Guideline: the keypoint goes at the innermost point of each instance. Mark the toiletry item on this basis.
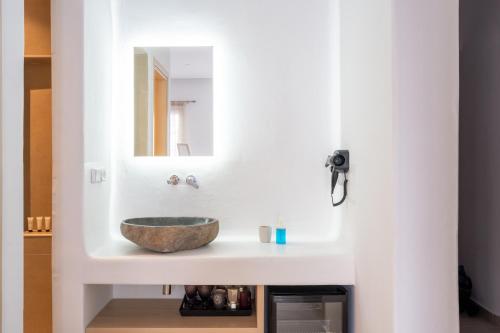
(190, 291)
(232, 298)
(39, 223)
(281, 236)
(265, 233)
(219, 298)
(280, 232)
(30, 224)
(205, 292)
(191, 294)
(48, 223)
(245, 299)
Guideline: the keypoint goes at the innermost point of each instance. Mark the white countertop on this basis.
(223, 262)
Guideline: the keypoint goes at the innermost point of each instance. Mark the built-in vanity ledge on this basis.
(224, 262)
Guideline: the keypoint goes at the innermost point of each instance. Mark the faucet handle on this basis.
(191, 180)
(173, 180)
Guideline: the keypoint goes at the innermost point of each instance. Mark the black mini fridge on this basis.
(306, 309)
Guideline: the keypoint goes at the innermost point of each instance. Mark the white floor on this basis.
(477, 324)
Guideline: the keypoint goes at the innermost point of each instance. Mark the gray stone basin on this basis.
(170, 234)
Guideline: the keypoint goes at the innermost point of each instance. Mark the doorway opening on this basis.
(479, 179)
(161, 113)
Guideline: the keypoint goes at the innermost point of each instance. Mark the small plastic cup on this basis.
(265, 233)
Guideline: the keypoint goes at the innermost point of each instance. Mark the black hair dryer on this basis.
(338, 163)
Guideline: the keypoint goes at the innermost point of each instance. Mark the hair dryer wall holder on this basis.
(338, 163)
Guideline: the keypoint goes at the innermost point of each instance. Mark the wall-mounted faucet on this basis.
(173, 180)
(191, 180)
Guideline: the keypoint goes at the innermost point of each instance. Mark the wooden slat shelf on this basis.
(162, 316)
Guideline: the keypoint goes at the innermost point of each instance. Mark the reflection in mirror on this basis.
(173, 101)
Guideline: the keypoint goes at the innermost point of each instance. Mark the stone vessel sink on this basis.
(170, 234)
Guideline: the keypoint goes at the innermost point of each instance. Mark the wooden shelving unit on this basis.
(33, 59)
(37, 234)
(162, 316)
(37, 165)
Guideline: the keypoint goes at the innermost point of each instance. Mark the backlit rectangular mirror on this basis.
(173, 101)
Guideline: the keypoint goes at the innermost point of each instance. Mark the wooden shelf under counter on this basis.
(162, 316)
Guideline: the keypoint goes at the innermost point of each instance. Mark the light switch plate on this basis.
(97, 176)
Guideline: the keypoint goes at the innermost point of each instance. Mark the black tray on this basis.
(198, 308)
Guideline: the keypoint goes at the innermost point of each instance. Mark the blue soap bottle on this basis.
(280, 232)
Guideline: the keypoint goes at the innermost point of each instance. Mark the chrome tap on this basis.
(173, 180)
(191, 180)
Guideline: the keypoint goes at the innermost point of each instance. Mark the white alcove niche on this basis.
(276, 118)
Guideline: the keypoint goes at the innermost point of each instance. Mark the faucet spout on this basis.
(191, 180)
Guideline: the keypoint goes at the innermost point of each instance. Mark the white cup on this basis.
(265, 233)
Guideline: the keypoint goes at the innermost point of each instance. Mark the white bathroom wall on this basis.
(276, 116)
(76, 143)
(198, 117)
(399, 118)
(253, 174)
(426, 165)
(367, 130)
(98, 70)
(68, 161)
(479, 154)
(11, 159)
(95, 297)
(1, 175)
